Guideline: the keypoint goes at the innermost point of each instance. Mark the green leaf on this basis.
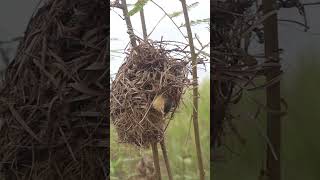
(178, 13)
(175, 14)
(137, 7)
(196, 22)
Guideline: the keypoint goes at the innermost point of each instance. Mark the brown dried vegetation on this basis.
(149, 70)
(53, 98)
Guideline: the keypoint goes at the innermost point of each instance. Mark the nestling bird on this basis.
(162, 104)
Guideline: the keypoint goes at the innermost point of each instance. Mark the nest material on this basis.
(148, 71)
(237, 25)
(53, 98)
(233, 66)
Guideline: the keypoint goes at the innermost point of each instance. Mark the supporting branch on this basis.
(311, 3)
(166, 159)
(156, 160)
(195, 90)
(128, 22)
(143, 24)
(273, 91)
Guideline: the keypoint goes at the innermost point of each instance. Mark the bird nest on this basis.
(53, 98)
(148, 71)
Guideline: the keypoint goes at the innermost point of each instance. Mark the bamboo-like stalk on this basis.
(154, 145)
(162, 143)
(128, 22)
(156, 160)
(273, 92)
(195, 90)
(143, 24)
(166, 159)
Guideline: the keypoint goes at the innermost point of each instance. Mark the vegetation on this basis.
(181, 151)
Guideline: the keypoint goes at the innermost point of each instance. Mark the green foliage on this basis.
(179, 140)
(137, 7)
(197, 22)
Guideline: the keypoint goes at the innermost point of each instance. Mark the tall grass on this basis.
(179, 140)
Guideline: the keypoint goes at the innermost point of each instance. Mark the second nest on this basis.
(148, 72)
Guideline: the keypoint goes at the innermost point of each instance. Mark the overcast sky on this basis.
(165, 29)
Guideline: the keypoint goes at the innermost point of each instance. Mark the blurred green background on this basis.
(179, 140)
(300, 128)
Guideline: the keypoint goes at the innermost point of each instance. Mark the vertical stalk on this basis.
(162, 143)
(143, 24)
(195, 90)
(156, 160)
(166, 159)
(128, 22)
(163, 147)
(273, 92)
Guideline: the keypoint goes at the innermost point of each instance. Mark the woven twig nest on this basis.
(53, 97)
(147, 72)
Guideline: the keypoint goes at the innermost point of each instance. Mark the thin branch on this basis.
(166, 159)
(156, 160)
(195, 90)
(273, 98)
(128, 22)
(143, 24)
(170, 19)
(156, 25)
(295, 22)
(311, 4)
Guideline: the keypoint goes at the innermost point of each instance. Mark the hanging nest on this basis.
(236, 67)
(147, 72)
(54, 95)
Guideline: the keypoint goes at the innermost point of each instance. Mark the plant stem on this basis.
(143, 24)
(128, 22)
(169, 18)
(156, 160)
(166, 159)
(273, 91)
(195, 90)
